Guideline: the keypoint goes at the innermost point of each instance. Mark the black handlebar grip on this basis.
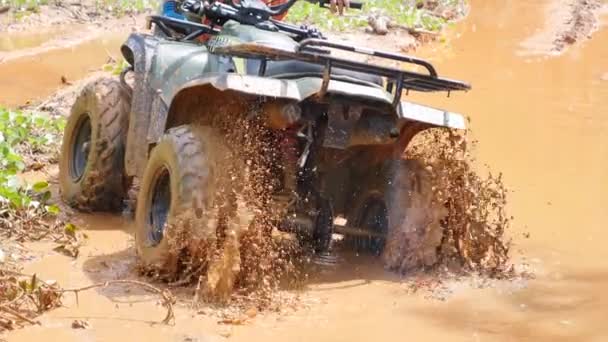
(355, 4)
(351, 4)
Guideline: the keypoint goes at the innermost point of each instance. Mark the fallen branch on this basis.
(413, 31)
(18, 315)
(166, 295)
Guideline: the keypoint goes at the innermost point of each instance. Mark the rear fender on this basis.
(415, 118)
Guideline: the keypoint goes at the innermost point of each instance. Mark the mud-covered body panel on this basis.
(164, 69)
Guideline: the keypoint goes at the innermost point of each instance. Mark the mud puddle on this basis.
(36, 63)
(34, 77)
(17, 41)
(540, 121)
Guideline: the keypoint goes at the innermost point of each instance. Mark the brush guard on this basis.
(314, 51)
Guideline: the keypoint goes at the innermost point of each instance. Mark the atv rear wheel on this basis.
(400, 206)
(373, 218)
(414, 219)
(91, 165)
(324, 227)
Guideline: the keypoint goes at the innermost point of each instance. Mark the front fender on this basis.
(139, 51)
(298, 89)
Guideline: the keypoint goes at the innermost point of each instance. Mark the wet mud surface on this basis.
(539, 121)
(35, 65)
(566, 23)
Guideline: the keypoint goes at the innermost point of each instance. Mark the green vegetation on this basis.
(25, 141)
(22, 5)
(122, 7)
(411, 14)
(114, 67)
(311, 14)
(23, 8)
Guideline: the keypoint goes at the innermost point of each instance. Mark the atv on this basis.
(343, 120)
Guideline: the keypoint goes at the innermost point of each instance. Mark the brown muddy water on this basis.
(26, 76)
(16, 41)
(543, 122)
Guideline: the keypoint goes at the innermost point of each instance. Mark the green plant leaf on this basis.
(40, 186)
(70, 229)
(52, 209)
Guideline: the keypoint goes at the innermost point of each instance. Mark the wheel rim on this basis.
(79, 153)
(374, 219)
(160, 204)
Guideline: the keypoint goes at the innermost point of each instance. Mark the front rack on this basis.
(313, 51)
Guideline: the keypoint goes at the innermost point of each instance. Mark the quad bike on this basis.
(345, 121)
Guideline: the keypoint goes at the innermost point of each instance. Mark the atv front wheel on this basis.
(91, 165)
(176, 187)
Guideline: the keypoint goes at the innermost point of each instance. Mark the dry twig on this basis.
(168, 299)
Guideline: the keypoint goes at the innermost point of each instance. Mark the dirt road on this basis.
(541, 121)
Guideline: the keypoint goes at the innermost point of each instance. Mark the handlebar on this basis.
(256, 9)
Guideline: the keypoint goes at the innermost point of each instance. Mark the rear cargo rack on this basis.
(314, 51)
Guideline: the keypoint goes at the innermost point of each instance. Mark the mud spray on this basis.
(454, 218)
(469, 210)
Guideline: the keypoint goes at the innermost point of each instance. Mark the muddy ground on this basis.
(539, 121)
(566, 22)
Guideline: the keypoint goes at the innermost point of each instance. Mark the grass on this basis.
(23, 8)
(117, 8)
(22, 5)
(402, 12)
(122, 7)
(408, 13)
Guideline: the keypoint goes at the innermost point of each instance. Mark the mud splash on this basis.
(475, 220)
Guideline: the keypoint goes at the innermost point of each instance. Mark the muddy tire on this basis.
(414, 232)
(173, 185)
(184, 195)
(400, 206)
(91, 165)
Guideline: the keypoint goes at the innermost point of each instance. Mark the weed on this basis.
(115, 68)
(411, 14)
(24, 139)
(121, 7)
